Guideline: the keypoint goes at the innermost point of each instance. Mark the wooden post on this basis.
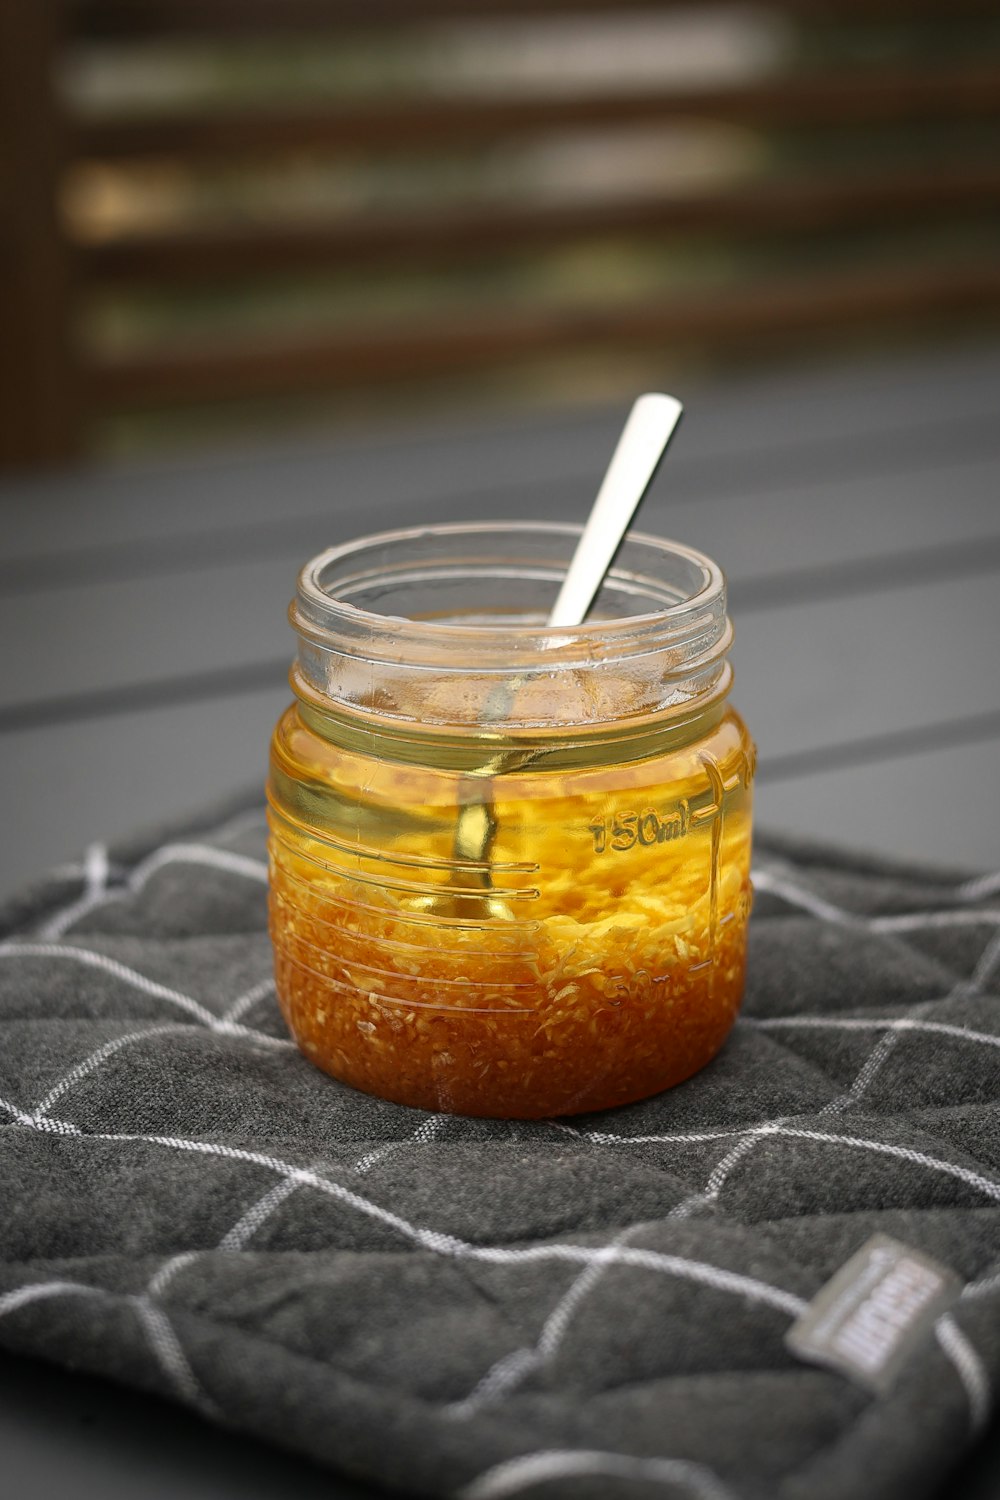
(40, 415)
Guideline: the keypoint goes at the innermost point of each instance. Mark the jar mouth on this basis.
(382, 619)
(330, 584)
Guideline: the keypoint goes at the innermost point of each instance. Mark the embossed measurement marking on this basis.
(651, 826)
(624, 830)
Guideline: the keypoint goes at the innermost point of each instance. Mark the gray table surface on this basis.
(855, 508)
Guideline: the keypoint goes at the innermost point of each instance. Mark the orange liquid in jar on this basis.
(600, 960)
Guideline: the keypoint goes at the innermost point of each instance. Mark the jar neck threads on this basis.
(411, 633)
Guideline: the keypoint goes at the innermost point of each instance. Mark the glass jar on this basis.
(510, 864)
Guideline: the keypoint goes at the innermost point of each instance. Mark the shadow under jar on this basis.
(589, 948)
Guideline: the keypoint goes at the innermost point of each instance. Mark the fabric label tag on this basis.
(869, 1317)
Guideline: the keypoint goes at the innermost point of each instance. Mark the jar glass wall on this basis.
(509, 864)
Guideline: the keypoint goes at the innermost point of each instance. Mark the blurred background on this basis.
(231, 213)
(276, 272)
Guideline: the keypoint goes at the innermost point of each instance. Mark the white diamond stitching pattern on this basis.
(510, 1370)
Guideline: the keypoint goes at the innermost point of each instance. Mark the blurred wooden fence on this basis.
(57, 386)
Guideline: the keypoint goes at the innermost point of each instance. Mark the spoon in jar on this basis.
(651, 424)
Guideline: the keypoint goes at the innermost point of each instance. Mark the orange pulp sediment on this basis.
(602, 961)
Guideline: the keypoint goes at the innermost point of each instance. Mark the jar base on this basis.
(453, 1098)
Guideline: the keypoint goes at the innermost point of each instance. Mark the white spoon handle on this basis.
(650, 426)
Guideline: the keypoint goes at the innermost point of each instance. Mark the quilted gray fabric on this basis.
(594, 1308)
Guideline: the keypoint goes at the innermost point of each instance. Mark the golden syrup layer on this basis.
(599, 958)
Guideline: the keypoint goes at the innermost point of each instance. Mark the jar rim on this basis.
(319, 607)
(477, 650)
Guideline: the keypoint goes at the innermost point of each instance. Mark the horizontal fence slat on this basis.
(907, 421)
(903, 638)
(896, 804)
(796, 205)
(966, 534)
(843, 97)
(218, 611)
(107, 779)
(143, 18)
(874, 659)
(769, 313)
